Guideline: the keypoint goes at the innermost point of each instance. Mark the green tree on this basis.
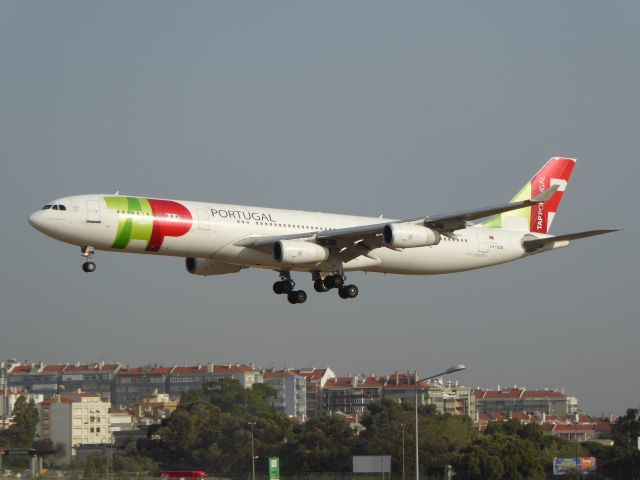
(324, 444)
(95, 465)
(22, 432)
(500, 456)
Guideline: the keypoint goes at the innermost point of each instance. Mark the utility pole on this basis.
(253, 453)
(4, 377)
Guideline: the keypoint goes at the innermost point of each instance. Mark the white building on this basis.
(73, 419)
(291, 392)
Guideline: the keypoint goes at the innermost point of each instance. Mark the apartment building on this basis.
(350, 395)
(186, 378)
(291, 392)
(96, 378)
(549, 402)
(73, 419)
(39, 379)
(316, 379)
(131, 384)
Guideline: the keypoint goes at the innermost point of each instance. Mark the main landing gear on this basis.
(336, 280)
(286, 285)
(87, 252)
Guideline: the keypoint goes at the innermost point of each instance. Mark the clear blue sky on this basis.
(363, 107)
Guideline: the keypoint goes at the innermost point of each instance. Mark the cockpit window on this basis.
(61, 207)
(46, 207)
(55, 207)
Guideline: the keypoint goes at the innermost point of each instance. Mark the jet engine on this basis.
(204, 266)
(403, 235)
(295, 252)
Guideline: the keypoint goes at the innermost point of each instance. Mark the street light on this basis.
(454, 369)
(253, 453)
(403, 425)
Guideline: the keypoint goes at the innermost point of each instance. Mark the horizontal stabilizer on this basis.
(532, 245)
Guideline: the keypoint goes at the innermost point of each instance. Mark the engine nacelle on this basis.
(204, 266)
(403, 235)
(296, 252)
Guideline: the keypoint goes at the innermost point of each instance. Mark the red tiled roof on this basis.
(543, 394)
(53, 368)
(21, 369)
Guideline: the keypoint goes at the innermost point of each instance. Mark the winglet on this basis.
(546, 195)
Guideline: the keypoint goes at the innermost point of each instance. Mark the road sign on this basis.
(274, 468)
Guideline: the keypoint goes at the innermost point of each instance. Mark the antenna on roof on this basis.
(117, 192)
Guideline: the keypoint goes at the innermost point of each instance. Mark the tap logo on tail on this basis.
(149, 220)
(537, 218)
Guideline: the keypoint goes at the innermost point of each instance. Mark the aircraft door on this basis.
(93, 211)
(203, 219)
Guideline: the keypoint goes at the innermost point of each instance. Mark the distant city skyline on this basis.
(362, 108)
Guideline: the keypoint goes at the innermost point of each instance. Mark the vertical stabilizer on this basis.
(537, 218)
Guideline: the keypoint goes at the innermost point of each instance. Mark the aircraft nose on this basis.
(36, 220)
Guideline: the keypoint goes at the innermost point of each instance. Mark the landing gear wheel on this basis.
(351, 290)
(338, 281)
(319, 286)
(297, 296)
(328, 282)
(348, 291)
(88, 267)
(283, 286)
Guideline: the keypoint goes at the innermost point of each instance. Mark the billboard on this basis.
(372, 464)
(562, 466)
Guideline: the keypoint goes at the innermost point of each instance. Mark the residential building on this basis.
(247, 375)
(39, 379)
(291, 392)
(153, 408)
(550, 402)
(316, 379)
(96, 378)
(186, 378)
(73, 419)
(131, 384)
(350, 395)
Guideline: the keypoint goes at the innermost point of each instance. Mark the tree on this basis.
(500, 456)
(323, 444)
(22, 432)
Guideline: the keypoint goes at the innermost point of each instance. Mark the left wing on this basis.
(360, 237)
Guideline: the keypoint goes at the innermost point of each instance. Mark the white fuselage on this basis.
(213, 230)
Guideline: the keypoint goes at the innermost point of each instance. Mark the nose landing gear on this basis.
(87, 252)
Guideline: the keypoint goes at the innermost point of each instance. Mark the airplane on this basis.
(218, 239)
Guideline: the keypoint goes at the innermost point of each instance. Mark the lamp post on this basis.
(454, 369)
(402, 425)
(253, 453)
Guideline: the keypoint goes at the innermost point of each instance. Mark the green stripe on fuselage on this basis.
(135, 219)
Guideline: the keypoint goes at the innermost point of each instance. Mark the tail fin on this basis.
(537, 218)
